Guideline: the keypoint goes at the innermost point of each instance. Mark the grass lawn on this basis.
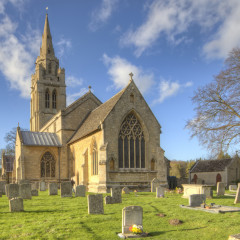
(53, 217)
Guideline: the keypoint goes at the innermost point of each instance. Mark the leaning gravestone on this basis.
(34, 192)
(25, 191)
(16, 205)
(66, 189)
(237, 198)
(130, 215)
(53, 189)
(232, 187)
(195, 200)
(80, 191)
(2, 187)
(220, 189)
(13, 190)
(154, 183)
(125, 190)
(160, 192)
(116, 196)
(42, 186)
(95, 204)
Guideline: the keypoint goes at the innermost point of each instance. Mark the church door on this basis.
(195, 178)
(218, 178)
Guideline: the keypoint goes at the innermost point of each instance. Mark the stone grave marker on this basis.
(125, 190)
(35, 186)
(0, 194)
(154, 183)
(195, 200)
(232, 187)
(53, 189)
(23, 181)
(13, 190)
(66, 189)
(34, 192)
(160, 191)
(25, 191)
(116, 196)
(237, 198)
(80, 191)
(42, 186)
(7, 189)
(95, 204)
(16, 205)
(220, 189)
(2, 187)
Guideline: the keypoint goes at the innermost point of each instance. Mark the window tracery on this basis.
(54, 99)
(47, 165)
(47, 98)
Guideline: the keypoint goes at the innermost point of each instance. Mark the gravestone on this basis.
(13, 190)
(34, 192)
(35, 185)
(195, 200)
(160, 192)
(154, 184)
(220, 189)
(131, 215)
(53, 189)
(0, 194)
(125, 190)
(66, 189)
(2, 187)
(23, 181)
(237, 198)
(42, 186)
(7, 189)
(116, 196)
(16, 205)
(95, 204)
(232, 187)
(80, 191)
(25, 191)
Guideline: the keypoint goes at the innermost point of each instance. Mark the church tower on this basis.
(48, 89)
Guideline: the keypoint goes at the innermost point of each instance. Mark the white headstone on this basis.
(220, 189)
(160, 191)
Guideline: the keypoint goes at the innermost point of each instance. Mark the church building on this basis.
(100, 145)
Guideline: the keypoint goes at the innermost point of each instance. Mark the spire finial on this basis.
(89, 87)
(46, 10)
(131, 75)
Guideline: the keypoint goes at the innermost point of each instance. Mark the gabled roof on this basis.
(96, 117)
(40, 139)
(210, 165)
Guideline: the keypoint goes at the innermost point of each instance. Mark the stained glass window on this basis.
(47, 165)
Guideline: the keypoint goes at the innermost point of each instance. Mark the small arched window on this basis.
(195, 178)
(218, 178)
(47, 165)
(47, 98)
(54, 99)
(152, 165)
(94, 159)
(49, 68)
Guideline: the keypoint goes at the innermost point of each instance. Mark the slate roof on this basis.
(210, 165)
(40, 139)
(97, 116)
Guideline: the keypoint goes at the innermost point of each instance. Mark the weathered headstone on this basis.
(220, 189)
(95, 204)
(53, 189)
(125, 190)
(195, 200)
(34, 192)
(232, 187)
(23, 181)
(0, 194)
(234, 237)
(80, 191)
(13, 190)
(35, 186)
(116, 196)
(66, 189)
(160, 191)
(16, 205)
(154, 184)
(237, 198)
(25, 191)
(42, 186)
(2, 187)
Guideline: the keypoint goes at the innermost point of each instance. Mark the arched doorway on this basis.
(195, 178)
(218, 178)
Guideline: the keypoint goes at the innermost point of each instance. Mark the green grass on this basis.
(53, 217)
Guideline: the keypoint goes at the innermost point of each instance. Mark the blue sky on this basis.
(172, 47)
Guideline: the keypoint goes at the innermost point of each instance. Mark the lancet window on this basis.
(47, 165)
(131, 144)
(47, 98)
(54, 99)
(94, 159)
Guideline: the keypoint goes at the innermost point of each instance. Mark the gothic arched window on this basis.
(47, 165)
(47, 98)
(54, 99)
(131, 144)
(94, 159)
(49, 68)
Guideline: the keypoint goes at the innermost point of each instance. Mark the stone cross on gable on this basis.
(131, 75)
(89, 87)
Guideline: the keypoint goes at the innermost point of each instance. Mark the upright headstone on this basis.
(95, 204)
(160, 191)
(16, 205)
(232, 187)
(66, 189)
(237, 198)
(116, 196)
(195, 200)
(53, 189)
(220, 189)
(35, 186)
(13, 190)
(23, 181)
(125, 190)
(34, 192)
(80, 191)
(2, 187)
(25, 191)
(42, 186)
(154, 184)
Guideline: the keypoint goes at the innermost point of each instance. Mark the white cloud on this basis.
(62, 45)
(72, 81)
(119, 69)
(102, 14)
(173, 18)
(74, 96)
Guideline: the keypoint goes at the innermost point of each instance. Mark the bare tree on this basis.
(217, 120)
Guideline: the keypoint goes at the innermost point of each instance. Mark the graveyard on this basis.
(54, 217)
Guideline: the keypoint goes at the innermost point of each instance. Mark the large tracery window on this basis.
(131, 144)
(54, 99)
(47, 165)
(47, 96)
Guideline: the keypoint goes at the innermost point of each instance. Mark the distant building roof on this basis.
(40, 139)
(210, 165)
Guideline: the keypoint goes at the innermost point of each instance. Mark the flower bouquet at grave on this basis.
(136, 229)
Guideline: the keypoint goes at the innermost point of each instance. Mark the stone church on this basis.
(100, 145)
